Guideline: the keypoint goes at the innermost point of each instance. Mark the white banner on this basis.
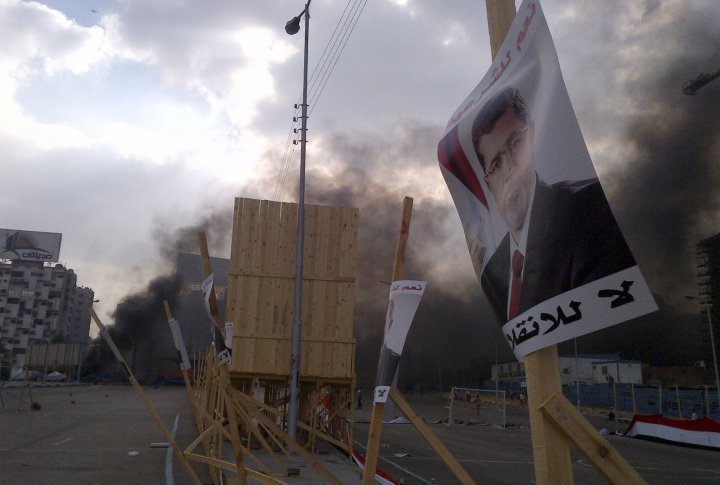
(405, 298)
(536, 220)
(30, 245)
(207, 286)
(600, 304)
(179, 343)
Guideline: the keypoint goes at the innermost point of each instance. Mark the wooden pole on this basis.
(500, 15)
(373, 444)
(138, 388)
(551, 449)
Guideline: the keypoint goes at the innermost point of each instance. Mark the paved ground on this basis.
(493, 455)
(89, 434)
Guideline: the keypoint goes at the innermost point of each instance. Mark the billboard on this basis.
(543, 240)
(30, 245)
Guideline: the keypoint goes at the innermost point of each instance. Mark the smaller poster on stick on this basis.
(405, 296)
(179, 343)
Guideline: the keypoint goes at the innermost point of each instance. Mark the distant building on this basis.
(708, 267)
(585, 369)
(40, 302)
(191, 313)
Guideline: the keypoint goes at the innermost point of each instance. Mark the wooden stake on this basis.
(375, 433)
(430, 437)
(573, 425)
(138, 388)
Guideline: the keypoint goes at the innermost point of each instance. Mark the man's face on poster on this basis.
(507, 154)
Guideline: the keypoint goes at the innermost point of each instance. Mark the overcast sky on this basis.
(124, 121)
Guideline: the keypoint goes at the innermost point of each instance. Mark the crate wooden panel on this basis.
(261, 288)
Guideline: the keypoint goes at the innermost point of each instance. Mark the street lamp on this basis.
(293, 27)
(712, 343)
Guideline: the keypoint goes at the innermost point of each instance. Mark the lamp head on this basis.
(293, 26)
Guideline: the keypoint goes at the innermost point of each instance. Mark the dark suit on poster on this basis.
(573, 239)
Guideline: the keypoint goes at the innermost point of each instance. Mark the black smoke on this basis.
(140, 332)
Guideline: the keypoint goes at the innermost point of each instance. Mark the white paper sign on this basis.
(381, 394)
(224, 357)
(405, 296)
(179, 342)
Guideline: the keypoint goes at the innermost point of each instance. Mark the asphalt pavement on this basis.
(103, 434)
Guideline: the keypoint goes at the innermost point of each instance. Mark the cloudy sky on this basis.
(124, 122)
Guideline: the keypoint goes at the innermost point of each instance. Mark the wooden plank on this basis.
(568, 420)
(430, 437)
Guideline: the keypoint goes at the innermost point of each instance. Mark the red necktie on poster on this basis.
(515, 284)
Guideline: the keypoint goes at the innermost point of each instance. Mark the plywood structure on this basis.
(261, 290)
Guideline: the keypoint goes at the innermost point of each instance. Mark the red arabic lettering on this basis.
(525, 27)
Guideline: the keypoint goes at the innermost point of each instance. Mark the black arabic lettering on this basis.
(526, 25)
(524, 334)
(561, 317)
(623, 296)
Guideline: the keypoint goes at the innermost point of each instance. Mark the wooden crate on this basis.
(261, 289)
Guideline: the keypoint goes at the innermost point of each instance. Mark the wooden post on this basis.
(151, 409)
(500, 14)
(373, 444)
(679, 404)
(551, 450)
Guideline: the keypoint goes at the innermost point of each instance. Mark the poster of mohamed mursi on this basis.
(543, 241)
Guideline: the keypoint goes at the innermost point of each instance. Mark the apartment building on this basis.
(40, 302)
